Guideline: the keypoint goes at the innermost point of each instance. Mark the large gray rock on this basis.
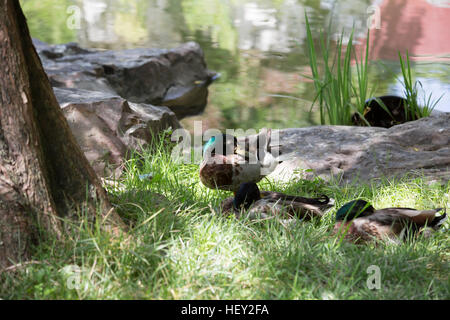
(362, 154)
(107, 127)
(176, 78)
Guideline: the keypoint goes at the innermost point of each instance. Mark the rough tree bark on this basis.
(43, 173)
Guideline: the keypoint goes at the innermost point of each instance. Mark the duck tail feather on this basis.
(438, 221)
(322, 200)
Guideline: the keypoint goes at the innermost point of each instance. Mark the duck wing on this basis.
(373, 227)
(285, 209)
(257, 144)
(263, 149)
(323, 200)
(419, 217)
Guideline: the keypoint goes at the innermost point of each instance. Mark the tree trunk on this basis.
(44, 176)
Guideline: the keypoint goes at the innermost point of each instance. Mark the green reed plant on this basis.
(335, 88)
(413, 110)
(363, 91)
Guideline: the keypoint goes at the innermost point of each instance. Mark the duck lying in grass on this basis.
(360, 222)
(225, 166)
(265, 204)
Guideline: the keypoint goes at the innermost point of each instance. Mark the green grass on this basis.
(182, 249)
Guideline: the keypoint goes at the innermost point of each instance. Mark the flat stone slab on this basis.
(363, 154)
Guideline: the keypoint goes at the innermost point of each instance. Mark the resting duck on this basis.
(375, 113)
(362, 222)
(265, 204)
(225, 166)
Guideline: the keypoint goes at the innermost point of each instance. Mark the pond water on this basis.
(259, 47)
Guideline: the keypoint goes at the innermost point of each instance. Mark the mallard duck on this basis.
(265, 204)
(225, 166)
(362, 222)
(375, 113)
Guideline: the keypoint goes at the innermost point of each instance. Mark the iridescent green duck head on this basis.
(354, 209)
(247, 194)
(223, 144)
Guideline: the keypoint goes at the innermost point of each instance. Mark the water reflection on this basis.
(418, 26)
(259, 46)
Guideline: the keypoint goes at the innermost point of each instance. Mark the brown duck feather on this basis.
(280, 204)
